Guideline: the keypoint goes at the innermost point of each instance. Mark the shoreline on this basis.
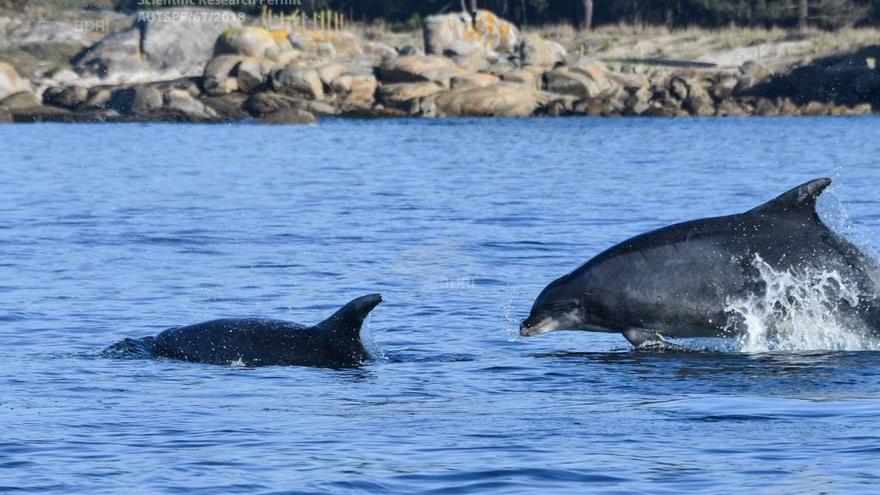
(181, 71)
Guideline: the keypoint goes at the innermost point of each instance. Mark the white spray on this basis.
(799, 311)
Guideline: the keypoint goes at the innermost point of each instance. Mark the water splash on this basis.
(511, 322)
(838, 219)
(370, 345)
(799, 311)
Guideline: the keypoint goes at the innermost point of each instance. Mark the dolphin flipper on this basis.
(648, 340)
(640, 337)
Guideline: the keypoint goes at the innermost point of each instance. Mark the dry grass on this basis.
(727, 47)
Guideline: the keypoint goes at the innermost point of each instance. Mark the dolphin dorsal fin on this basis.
(800, 200)
(350, 317)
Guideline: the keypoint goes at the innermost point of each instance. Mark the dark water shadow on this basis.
(714, 371)
(410, 357)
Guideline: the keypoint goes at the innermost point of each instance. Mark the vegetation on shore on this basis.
(171, 65)
(406, 14)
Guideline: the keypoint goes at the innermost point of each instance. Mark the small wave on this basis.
(129, 348)
(800, 311)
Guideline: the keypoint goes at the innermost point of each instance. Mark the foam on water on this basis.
(799, 311)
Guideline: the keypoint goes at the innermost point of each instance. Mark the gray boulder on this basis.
(301, 81)
(161, 43)
(182, 101)
(136, 100)
(456, 33)
(252, 74)
(10, 81)
(219, 77)
(19, 101)
(65, 96)
(538, 52)
(575, 83)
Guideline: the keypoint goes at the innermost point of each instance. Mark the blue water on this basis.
(108, 231)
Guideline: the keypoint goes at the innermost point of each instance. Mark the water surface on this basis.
(108, 231)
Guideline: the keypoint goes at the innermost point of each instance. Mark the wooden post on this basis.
(587, 20)
(803, 14)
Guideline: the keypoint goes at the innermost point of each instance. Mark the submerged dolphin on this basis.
(335, 342)
(678, 281)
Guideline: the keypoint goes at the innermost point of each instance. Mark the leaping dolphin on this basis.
(678, 281)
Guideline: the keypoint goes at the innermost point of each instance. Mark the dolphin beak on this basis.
(529, 328)
(541, 324)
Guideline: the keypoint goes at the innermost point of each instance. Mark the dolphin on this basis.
(335, 342)
(679, 281)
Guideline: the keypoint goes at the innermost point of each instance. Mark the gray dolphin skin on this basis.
(335, 342)
(677, 281)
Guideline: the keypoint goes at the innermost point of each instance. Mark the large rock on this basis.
(297, 80)
(698, 101)
(629, 82)
(65, 96)
(637, 102)
(501, 99)
(528, 76)
(454, 34)
(97, 99)
(538, 52)
(678, 88)
(19, 101)
(219, 77)
(183, 41)
(251, 74)
(477, 80)
(330, 71)
(252, 41)
(595, 70)
(139, 100)
(577, 82)
(192, 109)
(268, 102)
(472, 62)
(161, 43)
(227, 107)
(418, 68)
(356, 90)
(724, 87)
(117, 56)
(392, 94)
(10, 81)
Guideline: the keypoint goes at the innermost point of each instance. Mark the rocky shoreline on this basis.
(175, 69)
